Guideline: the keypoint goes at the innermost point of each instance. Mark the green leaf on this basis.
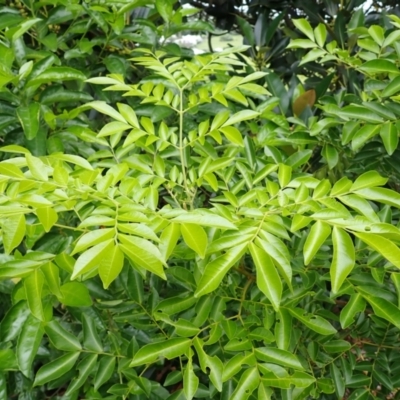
(143, 253)
(314, 322)
(169, 239)
(28, 344)
(55, 369)
(33, 285)
(279, 357)
(304, 27)
(320, 34)
(368, 179)
(353, 307)
(233, 135)
(56, 74)
(297, 379)
(165, 9)
(91, 339)
(8, 361)
(104, 371)
(111, 265)
(190, 380)
(379, 66)
(248, 382)
(93, 238)
(331, 155)
(75, 294)
(319, 232)
(363, 135)
(204, 219)
(85, 368)
(382, 307)
(195, 237)
(240, 116)
(392, 88)
(81, 162)
(283, 329)
(104, 108)
(91, 258)
(268, 280)
(390, 137)
(170, 348)
(47, 217)
(344, 258)
(13, 231)
(10, 170)
(382, 245)
(36, 167)
(60, 338)
(216, 270)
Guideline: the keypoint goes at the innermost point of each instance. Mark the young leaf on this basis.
(75, 294)
(111, 265)
(268, 280)
(47, 217)
(195, 237)
(190, 380)
(343, 258)
(382, 245)
(13, 231)
(319, 232)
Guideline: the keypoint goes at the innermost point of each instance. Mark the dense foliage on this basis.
(177, 226)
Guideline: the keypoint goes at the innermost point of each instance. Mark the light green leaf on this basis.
(379, 66)
(240, 116)
(37, 167)
(314, 322)
(113, 128)
(382, 245)
(319, 232)
(143, 253)
(111, 265)
(75, 294)
(81, 162)
(368, 179)
(382, 308)
(283, 329)
(170, 348)
(354, 306)
(279, 357)
(298, 379)
(320, 34)
(13, 232)
(47, 217)
(10, 170)
(195, 237)
(204, 219)
(344, 258)
(248, 382)
(55, 369)
(216, 270)
(91, 258)
(304, 27)
(268, 280)
(390, 137)
(169, 239)
(93, 238)
(233, 135)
